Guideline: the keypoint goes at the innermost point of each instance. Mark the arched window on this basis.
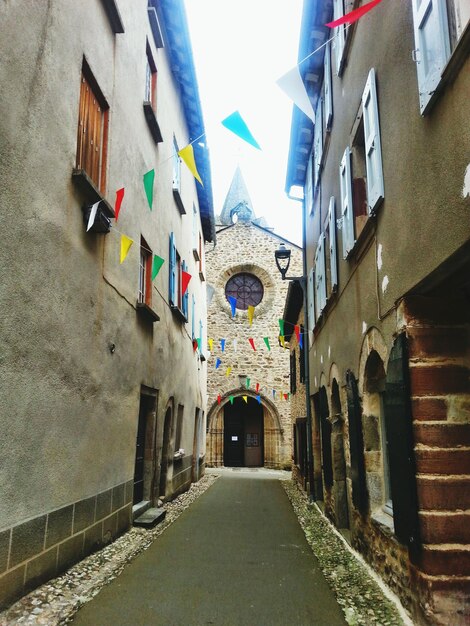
(246, 288)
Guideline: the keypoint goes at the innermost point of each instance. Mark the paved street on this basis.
(237, 556)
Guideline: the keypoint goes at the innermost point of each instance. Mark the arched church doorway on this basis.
(243, 433)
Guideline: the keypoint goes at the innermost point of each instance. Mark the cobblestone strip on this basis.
(363, 601)
(56, 602)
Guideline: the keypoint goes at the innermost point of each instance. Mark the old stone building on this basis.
(102, 394)
(385, 173)
(248, 418)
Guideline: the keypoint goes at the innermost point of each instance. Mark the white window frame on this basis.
(176, 167)
(311, 300)
(430, 22)
(327, 88)
(320, 276)
(340, 37)
(373, 147)
(332, 244)
(308, 191)
(347, 212)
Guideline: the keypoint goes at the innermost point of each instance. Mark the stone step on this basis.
(140, 508)
(150, 518)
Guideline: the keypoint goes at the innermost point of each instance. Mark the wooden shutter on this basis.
(332, 251)
(173, 270)
(185, 298)
(399, 429)
(432, 46)
(325, 426)
(373, 148)
(328, 88)
(356, 445)
(318, 143)
(347, 224)
(339, 40)
(320, 278)
(311, 300)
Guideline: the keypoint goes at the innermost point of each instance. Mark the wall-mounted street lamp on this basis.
(282, 257)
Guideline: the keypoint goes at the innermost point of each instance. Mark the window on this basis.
(179, 428)
(311, 299)
(372, 144)
(246, 288)
(201, 258)
(318, 144)
(176, 167)
(195, 233)
(438, 26)
(302, 356)
(178, 302)
(150, 79)
(327, 88)
(293, 372)
(92, 136)
(346, 220)
(320, 278)
(308, 191)
(145, 274)
(339, 32)
(330, 250)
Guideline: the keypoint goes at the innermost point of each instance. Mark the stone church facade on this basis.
(248, 420)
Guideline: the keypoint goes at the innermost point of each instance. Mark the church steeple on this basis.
(237, 202)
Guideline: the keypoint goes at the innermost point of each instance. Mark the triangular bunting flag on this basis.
(301, 341)
(126, 243)
(252, 343)
(195, 346)
(281, 327)
(148, 186)
(227, 371)
(118, 202)
(251, 312)
(285, 396)
(297, 332)
(92, 216)
(281, 339)
(222, 344)
(353, 16)
(187, 154)
(236, 124)
(247, 383)
(293, 86)
(234, 345)
(219, 399)
(259, 399)
(274, 393)
(246, 399)
(156, 265)
(257, 387)
(266, 341)
(233, 304)
(185, 278)
(198, 342)
(231, 399)
(218, 363)
(211, 344)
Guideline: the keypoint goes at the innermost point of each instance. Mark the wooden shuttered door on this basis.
(92, 135)
(399, 429)
(356, 445)
(325, 426)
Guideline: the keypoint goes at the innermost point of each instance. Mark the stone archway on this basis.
(275, 453)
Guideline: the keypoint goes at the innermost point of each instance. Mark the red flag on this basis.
(353, 16)
(252, 343)
(185, 278)
(117, 204)
(257, 387)
(297, 332)
(219, 399)
(285, 396)
(195, 346)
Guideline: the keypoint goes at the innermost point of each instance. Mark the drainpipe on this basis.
(308, 407)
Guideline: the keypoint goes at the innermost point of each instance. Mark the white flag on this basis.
(293, 86)
(91, 219)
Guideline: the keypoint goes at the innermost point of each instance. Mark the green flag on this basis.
(231, 399)
(281, 328)
(157, 263)
(148, 185)
(247, 383)
(266, 341)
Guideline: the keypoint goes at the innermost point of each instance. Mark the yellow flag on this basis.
(187, 154)
(227, 373)
(246, 399)
(281, 338)
(126, 243)
(251, 312)
(211, 344)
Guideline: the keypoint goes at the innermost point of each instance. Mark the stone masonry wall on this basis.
(245, 247)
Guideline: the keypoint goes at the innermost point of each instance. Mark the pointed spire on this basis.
(238, 201)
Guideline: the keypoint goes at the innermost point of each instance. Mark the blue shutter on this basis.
(432, 46)
(311, 300)
(172, 286)
(332, 232)
(328, 88)
(373, 148)
(185, 299)
(193, 315)
(347, 215)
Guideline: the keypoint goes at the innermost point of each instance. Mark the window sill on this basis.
(196, 254)
(201, 276)
(147, 312)
(91, 193)
(155, 27)
(178, 313)
(179, 201)
(367, 230)
(152, 122)
(114, 16)
(384, 521)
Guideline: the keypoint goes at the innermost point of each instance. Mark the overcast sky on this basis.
(240, 49)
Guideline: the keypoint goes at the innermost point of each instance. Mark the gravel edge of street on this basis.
(363, 597)
(56, 602)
